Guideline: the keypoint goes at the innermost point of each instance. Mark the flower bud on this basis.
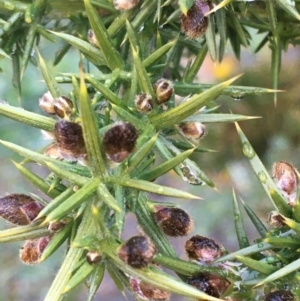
(119, 141)
(32, 250)
(19, 209)
(56, 226)
(212, 285)
(148, 292)
(93, 257)
(143, 102)
(281, 295)
(163, 89)
(275, 219)
(125, 4)
(137, 252)
(46, 102)
(193, 131)
(69, 139)
(63, 106)
(203, 249)
(92, 38)
(174, 221)
(194, 24)
(286, 179)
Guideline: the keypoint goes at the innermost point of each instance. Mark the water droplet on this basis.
(237, 96)
(271, 259)
(262, 177)
(260, 245)
(248, 150)
(189, 175)
(236, 217)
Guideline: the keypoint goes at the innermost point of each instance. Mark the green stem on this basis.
(73, 256)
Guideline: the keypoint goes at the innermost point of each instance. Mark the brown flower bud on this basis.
(212, 285)
(174, 221)
(56, 226)
(93, 257)
(163, 89)
(286, 179)
(46, 102)
(63, 106)
(19, 209)
(137, 252)
(148, 292)
(69, 139)
(143, 102)
(32, 250)
(92, 38)
(281, 295)
(125, 4)
(153, 293)
(193, 131)
(275, 219)
(119, 141)
(194, 24)
(203, 249)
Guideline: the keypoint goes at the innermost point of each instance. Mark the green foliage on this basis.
(92, 192)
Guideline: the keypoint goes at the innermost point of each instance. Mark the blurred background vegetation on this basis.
(274, 137)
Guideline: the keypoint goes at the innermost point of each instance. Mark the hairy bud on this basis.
(137, 252)
(46, 102)
(286, 179)
(203, 249)
(163, 89)
(69, 139)
(281, 295)
(92, 38)
(125, 4)
(194, 24)
(148, 292)
(32, 250)
(193, 131)
(93, 257)
(56, 226)
(19, 209)
(143, 102)
(212, 285)
(119, 141)
(63, 106)
(275, 219)
(174, 221)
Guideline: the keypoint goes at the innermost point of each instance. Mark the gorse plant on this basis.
(115, 122)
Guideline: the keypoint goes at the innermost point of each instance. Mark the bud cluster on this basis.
(163, 90)
(61, 106)
(21, 210)
(139, 251)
